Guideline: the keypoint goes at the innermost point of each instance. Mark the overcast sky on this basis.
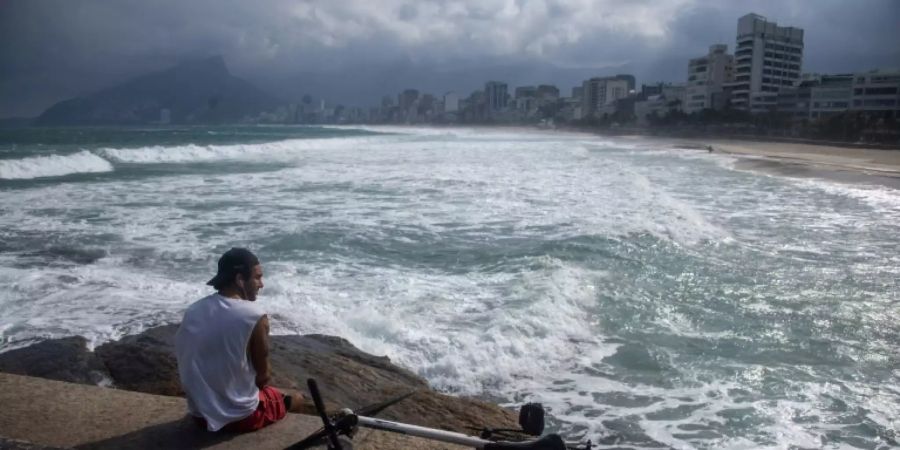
(355, 51)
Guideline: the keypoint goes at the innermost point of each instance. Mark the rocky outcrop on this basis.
(347, 376)
(144, 362)
(66, 359)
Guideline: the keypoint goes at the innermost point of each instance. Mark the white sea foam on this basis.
(665, 215)
(211, 153)
(53, 166)
(883, 199)
(100, 301)
(481, 134)
(465, 333)
(580, 151)
(160, 154)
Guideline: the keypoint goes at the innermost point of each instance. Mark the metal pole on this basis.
(423, 432)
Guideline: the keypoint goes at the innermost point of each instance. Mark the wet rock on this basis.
(144, 362)
(66, 359)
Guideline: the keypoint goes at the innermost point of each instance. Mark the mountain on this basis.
(201, 91)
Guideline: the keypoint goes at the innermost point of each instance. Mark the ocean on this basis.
(648, 296)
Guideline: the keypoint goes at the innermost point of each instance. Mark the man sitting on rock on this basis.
(222, 348)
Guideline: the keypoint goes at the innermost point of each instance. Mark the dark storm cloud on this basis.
(360, 49)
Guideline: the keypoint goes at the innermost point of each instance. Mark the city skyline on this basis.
(354, 53)
(764, 76)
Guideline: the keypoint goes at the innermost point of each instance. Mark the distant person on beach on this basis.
(222, 347)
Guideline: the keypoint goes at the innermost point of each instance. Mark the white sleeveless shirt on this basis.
(213, 363)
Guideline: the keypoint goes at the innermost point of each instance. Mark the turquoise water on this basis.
(661, 297)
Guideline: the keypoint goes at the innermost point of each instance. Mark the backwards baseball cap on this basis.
(234, 261)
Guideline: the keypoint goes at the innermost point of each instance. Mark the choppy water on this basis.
(654, 295)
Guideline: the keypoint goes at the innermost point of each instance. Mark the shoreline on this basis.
(786, 158)
(867, 161)
(841, 164)
(846, 164)
(850, 163)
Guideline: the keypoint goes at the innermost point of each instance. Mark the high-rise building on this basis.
(525, 98)
(426, 102)
(767, 58)
(629, 78)
(649, 90)
(407, 99)
(473, 107)
(526, 91)
(577, 92)
(600, 92)
(495, 94)
(547, 93)
(707, 77)
(451, 102)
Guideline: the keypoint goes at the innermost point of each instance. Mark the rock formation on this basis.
(347, 376)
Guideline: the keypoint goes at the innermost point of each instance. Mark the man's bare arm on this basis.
(259, 351)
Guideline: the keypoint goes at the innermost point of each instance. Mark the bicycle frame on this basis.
(347, 422)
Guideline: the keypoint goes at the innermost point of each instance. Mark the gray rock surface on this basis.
(66, 359)
(144, 362)
(347, 376)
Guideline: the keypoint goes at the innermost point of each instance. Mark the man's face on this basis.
(255, 283)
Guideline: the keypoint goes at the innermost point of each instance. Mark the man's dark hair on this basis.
(237, 261)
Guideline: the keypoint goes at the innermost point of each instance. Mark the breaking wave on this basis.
(53, 166)
(191, 153)
(179, 154)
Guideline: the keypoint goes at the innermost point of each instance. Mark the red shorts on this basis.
(271, 409)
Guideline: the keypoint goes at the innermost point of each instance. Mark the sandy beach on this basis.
(880, 163)
(843, 164)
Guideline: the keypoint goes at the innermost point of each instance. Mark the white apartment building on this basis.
(653, 105)
(707, 77)
(675, 95)
(830, 95)
(767, 58)
(874, 95)
(599, 92)
(669, 99)
(877, 93)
